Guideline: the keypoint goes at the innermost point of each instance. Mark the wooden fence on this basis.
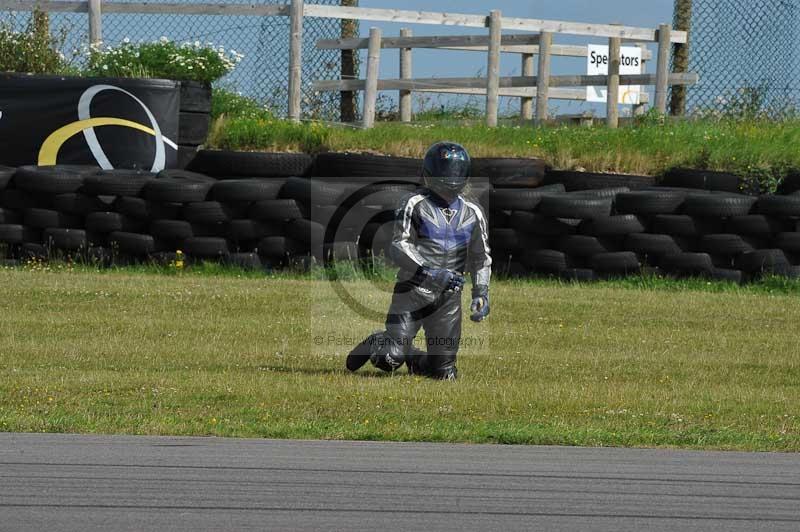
(527, 46)
(542, 87)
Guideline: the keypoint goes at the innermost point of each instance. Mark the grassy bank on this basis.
(626, 363)
(759, 149)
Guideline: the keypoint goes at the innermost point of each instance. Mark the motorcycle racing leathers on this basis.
(433, 234)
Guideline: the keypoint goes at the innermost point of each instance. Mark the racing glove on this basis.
(440, 280)
(480, 304)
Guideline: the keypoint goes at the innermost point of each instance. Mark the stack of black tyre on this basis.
(274, 210)
(678, 231)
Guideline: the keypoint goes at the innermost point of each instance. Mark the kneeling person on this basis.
(438, 236)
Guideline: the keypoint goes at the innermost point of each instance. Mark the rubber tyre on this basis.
(79, 204)
(788, 242)
(47, 218)
(59, 179)
(277, 210)
(601, 192)
(171, 230)
(278, 247)
(685, 225)
(573, 180)
(783, 206)
(365, 165)
(176, 190)
(252, 230)
(10, 216)
(135, 244)
(688, 263)
(116, 183)
(250, 190)
(547, 261)
(210, 230)
(538, 224)
(653, 245)
(522, 199)
(19, 200)
(701, 179)
(6, 174)
(510, 173)
(66, 239)
(718, 205)
(649, 202)
(142, 209)
(18, 234)
(206, 247)
(231, 164)
(109, 222)
(763, 261)
(621, 225)
(619, 263)
(585, 246)
(185, 175)
(754, 225)
(213, 212)
(724, 244)
(584, 208)
(312, 191)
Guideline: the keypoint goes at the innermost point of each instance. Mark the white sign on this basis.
(597, 65)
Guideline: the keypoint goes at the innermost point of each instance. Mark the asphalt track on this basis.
(67, 482)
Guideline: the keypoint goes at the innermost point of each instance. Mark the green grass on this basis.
(756, 149)
(624, 363)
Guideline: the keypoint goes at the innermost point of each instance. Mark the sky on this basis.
(440, 63)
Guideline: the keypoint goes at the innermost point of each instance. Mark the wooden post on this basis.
(295, 59)
(612, 103)
(347, 99)
(95, 22)
(680, 55)
(526, 106)
(373, 67)
(406, 102)
(543, 76)
(662, 67)
(493, 69)
(639, 109)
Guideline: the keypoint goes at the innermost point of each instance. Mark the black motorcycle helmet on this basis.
(446, 169)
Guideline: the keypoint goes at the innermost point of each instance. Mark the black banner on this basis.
(110, 122)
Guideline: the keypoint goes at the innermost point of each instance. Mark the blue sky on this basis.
(430, 63)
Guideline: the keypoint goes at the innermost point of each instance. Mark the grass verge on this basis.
(613, 364)
(759, 150)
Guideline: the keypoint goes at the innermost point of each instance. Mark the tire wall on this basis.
(575, 226)
(194, 120)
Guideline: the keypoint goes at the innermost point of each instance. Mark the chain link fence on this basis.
(746, 53)
(263, 73)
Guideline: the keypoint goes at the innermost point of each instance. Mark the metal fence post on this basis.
(95, 22)
(296, 59)
(373, 67)
(493, 68)
(543, 76)
(406, 102)
(662, 67)
(612, 102)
